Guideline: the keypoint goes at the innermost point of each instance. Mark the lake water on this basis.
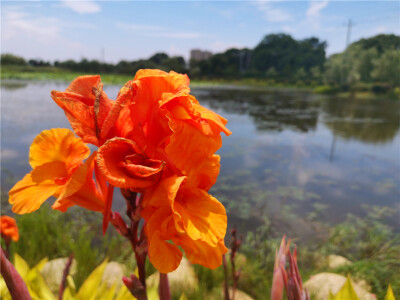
(300, 160)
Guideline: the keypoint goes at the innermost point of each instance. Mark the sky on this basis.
(111, 31)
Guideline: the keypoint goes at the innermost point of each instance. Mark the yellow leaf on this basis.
(68, 294)
(40, 287)
(183, 297)
(71, 284)
(41, 264)
(107, 293)
(389, 294)
(21, 266)
(124, 294)
(152, 293)
(4, 293)
(346, 292)
(89, 288)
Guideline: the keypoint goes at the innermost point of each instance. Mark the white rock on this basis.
(53, 270)
(183, 279)
(113, 273)
(321, 284)
(335, 261)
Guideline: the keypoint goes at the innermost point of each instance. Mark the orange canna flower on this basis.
(189, 217)
(56, 157)
(125, 165)
(93, 116)
(172, 120)
(155, 139)
(8, 228)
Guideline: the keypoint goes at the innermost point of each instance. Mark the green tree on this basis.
(11, 59)
(387, 67)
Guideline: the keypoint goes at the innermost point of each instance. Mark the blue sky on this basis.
(116, 30)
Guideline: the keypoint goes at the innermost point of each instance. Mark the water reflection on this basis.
(274, 111)
(287, 161)
(369, 121)
(276, 164)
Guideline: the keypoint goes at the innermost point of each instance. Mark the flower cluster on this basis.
(8, 229)
(154, 139)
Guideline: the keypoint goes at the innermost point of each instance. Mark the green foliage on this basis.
(33, 279)
(51, 233)
(386, 68)
(372, 246)
(10, 59)
(376, 59)
(288, 56)
(326, 90)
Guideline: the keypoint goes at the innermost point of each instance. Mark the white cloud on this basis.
(158, 31)
(178, 35)
(271, 12)
(315, 8)
(379, 30)
(82, 7)
(21, 23)
(289, 29)
(138, 27)
(219, 46)
(31, 36)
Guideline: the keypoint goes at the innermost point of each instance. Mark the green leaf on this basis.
(390, 294)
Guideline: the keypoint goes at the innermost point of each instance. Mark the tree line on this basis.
(278, 58)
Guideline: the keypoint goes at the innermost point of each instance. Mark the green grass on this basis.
(56, 74)
(372, 246)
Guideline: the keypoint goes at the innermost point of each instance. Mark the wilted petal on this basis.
(86, 106)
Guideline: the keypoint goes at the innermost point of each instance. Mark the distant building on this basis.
(197, 54)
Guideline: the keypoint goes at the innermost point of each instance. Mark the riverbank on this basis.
(29, 73)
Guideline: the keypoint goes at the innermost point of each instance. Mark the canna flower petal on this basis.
(150, 87)
(195, 212)
(125, 165)
(57, 144)
(27, 195)
(201, 215)
(8, 228)
(197, 131)
(60, 174)
(81, 189)
(164, 256)
(199, 252)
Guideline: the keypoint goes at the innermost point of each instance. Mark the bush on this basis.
(326, 90)
(381, 88)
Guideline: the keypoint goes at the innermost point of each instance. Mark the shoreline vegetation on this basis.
(368, 68)
(18, 74)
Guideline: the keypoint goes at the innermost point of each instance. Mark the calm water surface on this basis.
(300, 160)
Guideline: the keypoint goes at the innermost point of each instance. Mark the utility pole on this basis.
(345, 64)
(349, 25)
(102, 54)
